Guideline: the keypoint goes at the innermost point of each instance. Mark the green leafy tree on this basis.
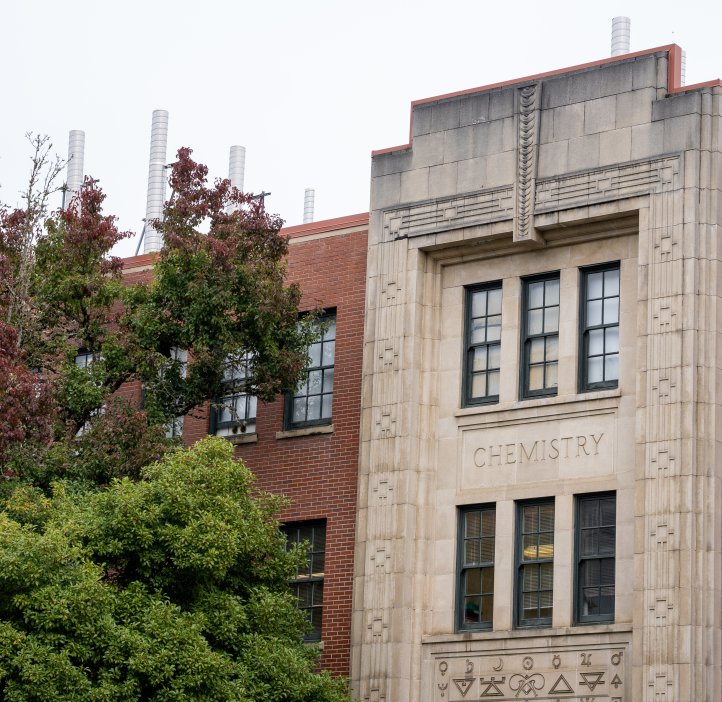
(217, 292)
(168, 588)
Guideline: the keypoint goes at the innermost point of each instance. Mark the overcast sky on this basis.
(308, 87)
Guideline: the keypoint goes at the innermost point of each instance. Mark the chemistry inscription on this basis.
(553, 449)
(538, 450)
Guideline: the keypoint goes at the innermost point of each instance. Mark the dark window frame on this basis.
(580, 618)
(235, 390)
(462, 568)
(584, 329)
(519, 620)
(527, 338)
(291, 396)
(468, 400)
(316, 582)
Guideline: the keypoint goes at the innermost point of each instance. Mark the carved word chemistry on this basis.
(535, 451)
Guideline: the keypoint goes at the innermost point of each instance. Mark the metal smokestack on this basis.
(156, 180)
(309, 198)
(76, 159)
(237, 166)
(683, 79)
(620, 35)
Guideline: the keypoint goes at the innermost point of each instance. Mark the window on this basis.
(235, 411)
(600, 328)
(535, 559)
(476, 567)
(596, 535)
(308, 583)
(311, 404)
(483, 344)
(174, 428)
(540, 329)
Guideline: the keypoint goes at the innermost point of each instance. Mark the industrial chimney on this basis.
(76, 158)
(156, 180)
(620, 35)
(236, 170)
(237, 166)
(309, 198)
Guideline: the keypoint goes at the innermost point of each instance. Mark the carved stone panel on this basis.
(568, 673)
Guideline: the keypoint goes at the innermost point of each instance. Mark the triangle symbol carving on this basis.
(561, 686)
(463, 685)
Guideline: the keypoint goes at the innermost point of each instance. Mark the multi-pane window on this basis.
(312, 401)
(483, 344)
(535, 557)
(174, 428)
(600, 328)
(541, 336)
(308, 583)
(476, 567)
(235, 411)
(596, 536)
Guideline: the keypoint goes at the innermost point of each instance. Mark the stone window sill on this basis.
(237, 439)
(530, 632)
(305, 431)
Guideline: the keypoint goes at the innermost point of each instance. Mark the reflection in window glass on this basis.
(541, 336)
(600, 328)
(312, 403)
(308, 583)
(483, 344)
(536, 564)
(476, 576)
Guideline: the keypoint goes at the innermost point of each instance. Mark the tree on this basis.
(217, 292)
(167, 588)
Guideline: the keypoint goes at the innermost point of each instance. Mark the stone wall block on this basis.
(600, 115)
(445, 115)
(634, 107)
(474, 109)
(421, 120)
(427, 150)
(458, 143)
(676, 106)
(501, 103)
(615, 146)
(681, 133)
(568, 121)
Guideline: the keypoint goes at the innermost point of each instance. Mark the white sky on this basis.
(309, 88)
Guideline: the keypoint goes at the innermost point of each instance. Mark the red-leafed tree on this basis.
(218, 291)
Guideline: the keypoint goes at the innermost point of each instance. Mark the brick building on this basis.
(313, 459)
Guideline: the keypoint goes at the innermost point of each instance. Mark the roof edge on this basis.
(326, 225)
(674, 79)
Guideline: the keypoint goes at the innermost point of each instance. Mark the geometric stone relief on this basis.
(564, 674)
(385, 422)
(381, 558)
(527, 147)
(387, 354)
(449, 213)
(377, 627)
(605, 184)
(663, 462)
(389, 293)
(589, 187)
(664, 314)
(383, 489)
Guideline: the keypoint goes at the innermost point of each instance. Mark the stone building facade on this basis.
(539, 480)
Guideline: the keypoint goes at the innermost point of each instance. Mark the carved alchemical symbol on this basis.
(469, 667)
(586, 658)
(527, 663)
(616, 681)
(442, 687)
(499, 665)
(556, 661)
(591, 680)
(443, 667)
(527, 685)
(492, 686)
(463, 685)
(561, 686)
(617, 657)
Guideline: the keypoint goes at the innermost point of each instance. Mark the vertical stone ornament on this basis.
(527, 147)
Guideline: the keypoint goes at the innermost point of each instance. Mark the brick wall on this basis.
(318, 473)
